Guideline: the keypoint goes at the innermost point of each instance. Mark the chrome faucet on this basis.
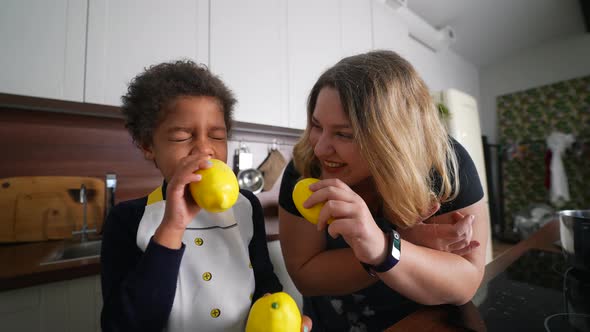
(84, 202)
(83, 199)
(111, 186)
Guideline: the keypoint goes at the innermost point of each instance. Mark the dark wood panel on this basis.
(52, 143)
(11, 101)
(40, 136)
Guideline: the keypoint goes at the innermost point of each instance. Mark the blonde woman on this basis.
(374, 139)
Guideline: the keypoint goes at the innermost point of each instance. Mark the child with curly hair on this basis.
(166, 263)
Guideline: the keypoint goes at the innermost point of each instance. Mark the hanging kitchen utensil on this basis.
(243, 158)
(272, 167)
(251, 179)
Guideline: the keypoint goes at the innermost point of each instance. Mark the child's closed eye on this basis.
(217, 137)
(180, 138)
(217, 133)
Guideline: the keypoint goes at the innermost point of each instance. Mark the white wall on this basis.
(543, 65)
(443, 69)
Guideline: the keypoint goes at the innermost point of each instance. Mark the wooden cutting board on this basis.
(39, 208)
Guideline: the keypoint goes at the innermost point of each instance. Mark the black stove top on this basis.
(538, 292)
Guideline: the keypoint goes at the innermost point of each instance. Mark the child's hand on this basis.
(180, 206)
(306, 323)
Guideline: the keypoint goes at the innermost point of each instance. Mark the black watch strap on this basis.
(393, 255)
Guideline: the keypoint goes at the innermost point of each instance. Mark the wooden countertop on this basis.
(21, 262)
(466, 317)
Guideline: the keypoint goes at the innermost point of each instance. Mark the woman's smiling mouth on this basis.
(332, 166)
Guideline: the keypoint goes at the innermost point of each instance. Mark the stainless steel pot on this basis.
(574, 233)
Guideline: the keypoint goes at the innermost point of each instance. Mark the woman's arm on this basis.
(314, 270)
(423, 275)
(439, 233)
(433, 277)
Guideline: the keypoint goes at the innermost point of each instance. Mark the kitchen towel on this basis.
(271, 168)
(559, 192)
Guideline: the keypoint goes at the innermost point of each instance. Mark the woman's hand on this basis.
(180, 206)
(454, 237)
(350, 218)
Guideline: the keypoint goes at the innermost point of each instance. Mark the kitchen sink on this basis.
(74, 251)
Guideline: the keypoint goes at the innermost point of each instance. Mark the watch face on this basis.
(395, 250)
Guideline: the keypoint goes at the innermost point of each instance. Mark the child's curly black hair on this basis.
(150, 92)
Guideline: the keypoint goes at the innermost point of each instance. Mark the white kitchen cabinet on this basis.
(248, 49)
(356, 26)
(390, 32)
(43, 45)
(125, 36)
(319, 35)
(314, 44)
(72, 305)
(271, 52)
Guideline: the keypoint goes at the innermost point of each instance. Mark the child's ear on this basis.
(148, 154)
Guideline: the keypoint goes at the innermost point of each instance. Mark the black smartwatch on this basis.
(394, 245)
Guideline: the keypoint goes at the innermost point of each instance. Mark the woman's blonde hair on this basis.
(397, 128)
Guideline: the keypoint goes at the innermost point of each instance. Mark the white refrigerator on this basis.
(463, 125)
